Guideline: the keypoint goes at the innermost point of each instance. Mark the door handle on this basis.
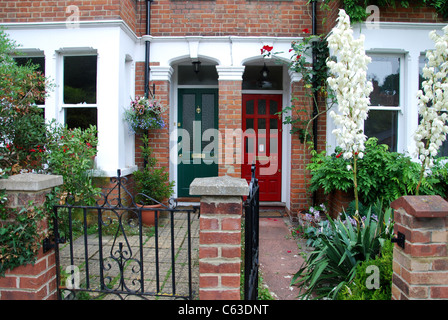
(198, 155)
(198, 109)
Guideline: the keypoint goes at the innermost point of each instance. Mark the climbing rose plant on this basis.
(433, 103)
(349, 82)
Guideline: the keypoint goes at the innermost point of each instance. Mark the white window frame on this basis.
(401, 135)
(74, 52)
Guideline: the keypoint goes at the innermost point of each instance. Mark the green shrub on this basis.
(22, 134)
(382, 174)
(333, 263)
(358, 290)
(21, 236)
(70, 154)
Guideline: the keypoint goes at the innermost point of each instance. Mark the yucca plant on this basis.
(332, 264)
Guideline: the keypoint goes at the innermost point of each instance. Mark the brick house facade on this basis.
(226, 37)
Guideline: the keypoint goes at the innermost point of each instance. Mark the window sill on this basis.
(113, 173)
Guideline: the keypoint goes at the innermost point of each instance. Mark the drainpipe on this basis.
(147, 51)
(147, 45)
(315, 96)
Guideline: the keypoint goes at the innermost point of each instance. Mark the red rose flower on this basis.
(306, 30)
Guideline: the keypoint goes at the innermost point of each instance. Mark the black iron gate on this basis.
(251, 260)
(108, 253)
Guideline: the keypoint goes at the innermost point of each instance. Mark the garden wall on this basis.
(220, 236)
(420, 269)
(35, 281)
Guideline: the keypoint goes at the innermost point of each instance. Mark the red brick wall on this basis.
(212, 18)
(420, 269)
(229, 17)
(230, 119)
(415, 13)
(159, 139)
(220, 249)
(129, 12)
(31, 282)
(300, 156)
(38, 11)
(326, 18)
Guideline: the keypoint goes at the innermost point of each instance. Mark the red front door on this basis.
(262, 143)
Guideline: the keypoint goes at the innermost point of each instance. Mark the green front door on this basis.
(197, 136)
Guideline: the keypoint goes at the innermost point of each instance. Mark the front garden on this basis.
(352, 251)
(348, 250)
(29, 144)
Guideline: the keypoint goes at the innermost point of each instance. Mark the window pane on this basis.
(384, 72)
(188, 116)
(39, 62)
(252, 79)
(250, 107)
(81, 117)
(207, 75)
(443, 151)
(80, 79)
(382, 125)
(421, 63)
(249, 123)
(261, 106)
(273, 107)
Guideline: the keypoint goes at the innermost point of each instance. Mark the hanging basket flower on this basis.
(144, 114)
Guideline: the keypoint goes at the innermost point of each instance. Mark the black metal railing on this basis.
(110, 252)
(251, 259)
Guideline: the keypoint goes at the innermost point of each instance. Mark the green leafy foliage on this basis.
(441, 6)
(20, 235)
(381, 174)
(23, 135)
(151, 183)
(356, 9)
(314, 77)
(358, 290)
(70, 154)
(336, 256)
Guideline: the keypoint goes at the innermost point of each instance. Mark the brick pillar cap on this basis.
(30, 182)
(422, 206)
(219, 186)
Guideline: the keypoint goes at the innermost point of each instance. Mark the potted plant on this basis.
(144, 114)
(152, 185)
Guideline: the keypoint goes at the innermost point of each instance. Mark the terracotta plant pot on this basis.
(149, 216)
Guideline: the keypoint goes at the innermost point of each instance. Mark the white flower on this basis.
(350, 85)
(433, 101)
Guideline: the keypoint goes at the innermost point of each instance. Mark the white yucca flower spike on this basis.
(433, 101)
(349, 81)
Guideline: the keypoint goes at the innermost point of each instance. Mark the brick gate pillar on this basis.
(420, 269)
(220, 236)
(34, 281)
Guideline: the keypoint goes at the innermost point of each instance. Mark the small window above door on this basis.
(263, 77)
(204, 75)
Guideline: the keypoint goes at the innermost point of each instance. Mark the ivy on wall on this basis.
(21, 234)
(356, 9)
